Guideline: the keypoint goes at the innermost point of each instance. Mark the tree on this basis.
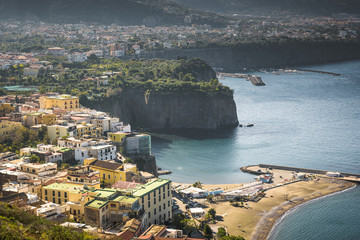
(34, 159)
(207, 231)
(93, 59)
(209, 197)
(197, 184)
(212, 213)
(221, 232)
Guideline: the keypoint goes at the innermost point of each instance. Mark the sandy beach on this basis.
(256, 220)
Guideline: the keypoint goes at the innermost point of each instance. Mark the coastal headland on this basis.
(255, 219)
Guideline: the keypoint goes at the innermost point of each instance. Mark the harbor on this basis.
(255, 80)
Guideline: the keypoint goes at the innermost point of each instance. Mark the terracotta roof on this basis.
(126, 235)
(105, 164)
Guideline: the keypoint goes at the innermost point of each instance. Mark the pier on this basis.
(255, 80)
(267, 168)
(322, 72)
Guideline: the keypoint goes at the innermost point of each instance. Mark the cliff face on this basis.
(234, 59)
(169, 110)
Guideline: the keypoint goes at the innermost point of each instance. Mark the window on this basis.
(65, 194)
(168, 214)
(65, 200)
(46, 198)
(164, 206)
(159, 208)
(168, 193)
(149, 214)
(79, 212)
(164, 195)
(163, 188)
(103, 175)
(142, 200)
(154, 211)
(164, 216)
(54, 193)
(59, 194)
(155, 221)
(45, 192)
(113, 206)
(148, 203)
(109, 176)
(59, 200)
(159, 197)
(54, 200)
(154, 200)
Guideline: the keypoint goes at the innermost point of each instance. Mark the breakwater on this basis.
(294, 169)
(322, 72)
(255, 80)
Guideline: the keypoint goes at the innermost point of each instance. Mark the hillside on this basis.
(273, 7)
(124, 12)
(16, 223)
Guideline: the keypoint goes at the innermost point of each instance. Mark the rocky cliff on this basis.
(254, 56)
(171, 110)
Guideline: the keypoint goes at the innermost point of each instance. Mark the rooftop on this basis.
(96, 203)
(64, 187)
(150, 186)
(105, 164)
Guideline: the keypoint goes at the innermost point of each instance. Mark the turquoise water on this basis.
(306, 120)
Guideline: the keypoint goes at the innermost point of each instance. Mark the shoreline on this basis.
(277, 213)
(295, 208)
(258, 219)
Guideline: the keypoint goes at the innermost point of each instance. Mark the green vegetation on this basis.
(207, 231)
(197, 184)
(147, 75)
(24, 137)
(16, 223)
(221, 232)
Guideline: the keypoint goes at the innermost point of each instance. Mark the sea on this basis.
(301, 119)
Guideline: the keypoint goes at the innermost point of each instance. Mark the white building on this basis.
(77, 57)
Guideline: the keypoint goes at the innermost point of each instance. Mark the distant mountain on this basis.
(125, 12)
(270, 7)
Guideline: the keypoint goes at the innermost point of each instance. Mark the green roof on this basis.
(64, 187)
(104, 193)
(150, 186)
(96, 203)
(126, 199)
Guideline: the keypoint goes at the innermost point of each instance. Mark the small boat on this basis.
(249, 125)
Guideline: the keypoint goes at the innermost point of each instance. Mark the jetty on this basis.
(255, 80)
(322, 72)
(268, 168)
(163, 172)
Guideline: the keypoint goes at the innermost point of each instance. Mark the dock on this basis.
(255, 80)
(267, 168)
(322, 72)
(164, 172)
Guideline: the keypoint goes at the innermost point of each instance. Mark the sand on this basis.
(257, 220)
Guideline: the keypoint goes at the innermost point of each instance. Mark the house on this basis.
(83, 175)
(39, 169)
(111, 172)
(197, 213)
(77, 57)
(57, 51)
(139, 144)
(266, 178)
(65, 102)
(8, 129)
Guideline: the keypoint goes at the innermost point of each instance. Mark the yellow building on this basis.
(83, 175)
(60, 193)
(90, 130)
(66, 130)
(6, 108)
(111, 172)
(49, 119)
(65, 102)
(8, 129)
(117, 137)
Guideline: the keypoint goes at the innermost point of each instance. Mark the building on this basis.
(57, 51)
(6, 108)
(110, 208)
(8, 129)
(102, 152)
(65, 102)
(88, 130)
(156, 200)
(39, 169)
(36, 118)
(77, 57)
(83, 175)
(59, 131)
(138, 144)
(61, 193)
(111, 172)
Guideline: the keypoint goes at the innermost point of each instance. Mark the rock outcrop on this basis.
(172, 110)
